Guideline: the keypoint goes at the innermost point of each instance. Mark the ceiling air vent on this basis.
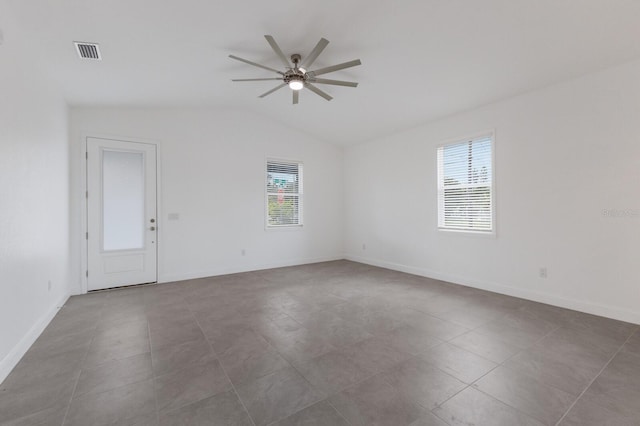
(88, 50)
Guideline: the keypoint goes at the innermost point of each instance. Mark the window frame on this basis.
(299, 194)
(491, 135)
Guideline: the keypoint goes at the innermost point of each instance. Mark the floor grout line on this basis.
(75, 386)
(594, 379)
(222, 366)
(66, 412)
(498, 365)
(338, 411)
(153, 374)
(292, 365)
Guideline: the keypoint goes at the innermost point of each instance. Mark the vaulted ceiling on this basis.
(421, 59)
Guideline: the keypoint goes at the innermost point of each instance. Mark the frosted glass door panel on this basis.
(121, 213)
(123, 222)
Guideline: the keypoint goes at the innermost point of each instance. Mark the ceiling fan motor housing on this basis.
(294, 75)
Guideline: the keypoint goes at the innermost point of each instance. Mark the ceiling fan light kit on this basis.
(296, 75)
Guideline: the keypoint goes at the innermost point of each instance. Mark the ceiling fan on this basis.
(297, 74)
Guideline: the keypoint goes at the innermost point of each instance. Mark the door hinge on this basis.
(87, 273)
(86, 235)
(86, 194)
(86, 155)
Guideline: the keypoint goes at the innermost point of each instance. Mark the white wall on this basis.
(563, 155)
(212, 167)
(34, 198)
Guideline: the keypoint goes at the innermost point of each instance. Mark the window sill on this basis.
(467, 232)
(283, 228)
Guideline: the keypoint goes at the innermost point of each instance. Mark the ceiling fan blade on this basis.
(296, 96)
(278, 51)
(280, 86)
(255, 64)
(317, 91)
(256, 79)
(311, 57)
(335, 82)
(333, 68)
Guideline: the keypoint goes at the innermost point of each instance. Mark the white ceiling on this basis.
(422, 59)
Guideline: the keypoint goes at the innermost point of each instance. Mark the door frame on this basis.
(84, 253)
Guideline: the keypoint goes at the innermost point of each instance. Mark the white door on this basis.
(121, 213)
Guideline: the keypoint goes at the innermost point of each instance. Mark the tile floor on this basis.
(337, 343)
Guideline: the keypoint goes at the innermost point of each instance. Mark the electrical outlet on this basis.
(543, 272)
(243, 252)
(49, 285)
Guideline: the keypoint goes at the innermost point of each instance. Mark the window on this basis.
(465, 185)
(284, 193)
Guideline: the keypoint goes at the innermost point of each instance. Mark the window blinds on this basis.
(465, 193)
(284, 193)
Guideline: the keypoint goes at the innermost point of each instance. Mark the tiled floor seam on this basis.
(75, 386)
(432, 411)
(66, 412)
(467, 385)
(270, 345)
(155, 393)
(222, 368)
(510, 406)
(501, 364)
(303, 408)
(412, 357)
(266, 339)
(339, 413)
(328, 395)
(594, 379)
(341, 390)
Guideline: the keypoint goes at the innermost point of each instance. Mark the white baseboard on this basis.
(550, 299)
(15, 355)
(165, 278)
